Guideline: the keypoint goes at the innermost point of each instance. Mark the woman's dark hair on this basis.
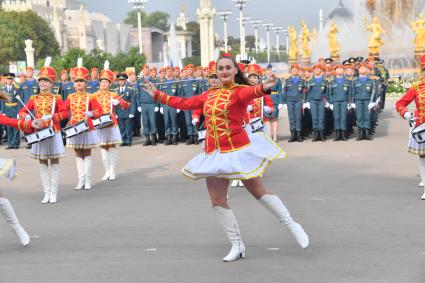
(240, 78)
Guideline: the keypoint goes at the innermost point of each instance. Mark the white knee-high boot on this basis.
(278, 209)
(422, 173)
(106, 163)
(54, 183)
(88, 171)
(81, 173)
(9, 215)
(113, 159)
(45, 182)
(228, 221)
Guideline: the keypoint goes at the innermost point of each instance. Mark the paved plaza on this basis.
(358, 201)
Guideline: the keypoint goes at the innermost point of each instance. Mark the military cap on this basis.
(329, 60)
(9, 75)
(122, 76)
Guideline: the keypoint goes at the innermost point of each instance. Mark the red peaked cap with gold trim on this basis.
(106, 74)
(80, 72)
(212, 68)
(254, 69)
(47, 72)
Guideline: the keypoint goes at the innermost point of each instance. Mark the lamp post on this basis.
(138, 6)
(245, 20)
(240, 4)
(256, 24)
(267, 27)
(225, 15)
(277, 30)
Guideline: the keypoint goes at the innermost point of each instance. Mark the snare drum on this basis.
(418, 133)
(202, 135)
(76, 129)
(103, 121)
(40, 135)
(256, 124)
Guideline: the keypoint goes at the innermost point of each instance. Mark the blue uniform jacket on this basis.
(142, 96)
(128, 95)
(363, 89)
(276, 93)
(28, 89)
(189, 87)
(317, 91)
(293, 91)
(11, 108)
(93, 86)
(340, 92)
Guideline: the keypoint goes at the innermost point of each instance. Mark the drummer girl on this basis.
(229, 153)
(109, 136)
(49, 108)
(82, 109)
(415, 93)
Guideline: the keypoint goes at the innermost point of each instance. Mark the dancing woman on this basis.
(229, 153)
(49, 108)
(82, 108)
(415, 93)
(109, 136)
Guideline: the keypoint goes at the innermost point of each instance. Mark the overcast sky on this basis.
(279, 12)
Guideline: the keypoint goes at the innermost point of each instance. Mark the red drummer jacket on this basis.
(416, 93)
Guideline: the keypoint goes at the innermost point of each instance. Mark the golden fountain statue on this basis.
(305, 39)
(334, 46)
(418, 27)
(293, 44)
(375, 40)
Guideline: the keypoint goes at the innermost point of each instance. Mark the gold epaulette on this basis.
(32, 97)
(415, 85)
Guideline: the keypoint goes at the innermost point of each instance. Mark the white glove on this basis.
(353, 105)
(195, 121)
(156, 108)
(279, 106)
(139, 109)
(268, 109)
(161, 110)
(249, 108)
(178, 111)
(131, 116)
(44, 118)
(115, 102)
(331, 106)
(371, 105)
(306, 105)
(327, 105)
(27, 117)
(89, 114)
(408, 116)
(285, 106)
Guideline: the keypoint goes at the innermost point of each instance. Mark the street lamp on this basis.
(138, 6)
(267, 27)
(225, 15)
(240, 4)
(277, 31)
(256, 24)
(245, 20)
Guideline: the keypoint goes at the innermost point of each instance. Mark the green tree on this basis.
(156, 19)
(196, 38)
(131, 59)
(16, 27)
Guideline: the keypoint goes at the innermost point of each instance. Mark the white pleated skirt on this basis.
(414, 147)
(109, 136)
(50, 148)
(246, 163)
(85, 140)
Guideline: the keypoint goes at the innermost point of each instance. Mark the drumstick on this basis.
(29, 112)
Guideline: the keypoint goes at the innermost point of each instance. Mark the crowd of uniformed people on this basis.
(322, 99)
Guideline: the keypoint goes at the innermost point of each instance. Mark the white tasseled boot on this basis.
(228, 221)
(234, 183)
(88, 171)
(45, 182)
(278, 209)
(81, 173)
(113, 159)
(240, 184)
(9, 215)
(106, 163)
(54, 183)
(422, 173)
